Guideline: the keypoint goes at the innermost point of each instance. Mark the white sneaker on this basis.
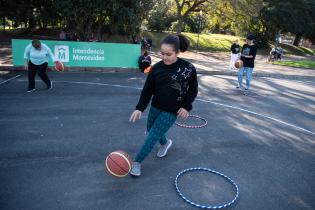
(136, 169)
(50, 86)
(30, 90)
(163, 149)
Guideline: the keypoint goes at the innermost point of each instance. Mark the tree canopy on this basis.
(264, 18)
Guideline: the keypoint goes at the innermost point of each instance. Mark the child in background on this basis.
(235, 53)
(144, 61)
(248, 56)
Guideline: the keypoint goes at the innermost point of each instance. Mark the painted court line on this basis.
(202, 100)
(255, 113)
(9, 79)
(208, 101)
(102, 84)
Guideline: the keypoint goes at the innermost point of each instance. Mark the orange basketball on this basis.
(147, 70)
(118, 163)
(238, 64)
(59, 66)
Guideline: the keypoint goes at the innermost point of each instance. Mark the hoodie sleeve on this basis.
(192, 92)
(146, 93)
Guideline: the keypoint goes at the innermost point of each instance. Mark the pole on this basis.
(199, 23)
(278, 37)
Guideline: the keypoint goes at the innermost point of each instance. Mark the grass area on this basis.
(308, 50)
(222, 43)
(207, 42)
(300, 64)
(213, 42)
(294, 50)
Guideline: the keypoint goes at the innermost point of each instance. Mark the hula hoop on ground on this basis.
(193, 126)
(206, 206)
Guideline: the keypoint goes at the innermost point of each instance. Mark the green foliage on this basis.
(296, 16)
(160, 18)
(83, 16)
(299, 64)
(111, 17)
(185, 7)
(195, 23)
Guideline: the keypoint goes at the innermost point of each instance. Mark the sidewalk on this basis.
(218, 63)
(211, 63)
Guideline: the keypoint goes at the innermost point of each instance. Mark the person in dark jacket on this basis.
(144, 61)
(173, 85)
(248, 57)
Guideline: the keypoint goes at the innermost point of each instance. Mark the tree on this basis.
(296, 16)
(86, 17)
(185, 7)
(160, 17)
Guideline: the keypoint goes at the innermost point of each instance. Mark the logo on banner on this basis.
(62, 53)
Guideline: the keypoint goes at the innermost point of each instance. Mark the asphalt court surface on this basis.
(54, 143)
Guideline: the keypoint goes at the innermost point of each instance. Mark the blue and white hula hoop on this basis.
(206, 206)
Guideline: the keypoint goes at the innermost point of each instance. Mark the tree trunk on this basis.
(179, 17)
(3, 24)
(297, 39)
(31, 22)
(100, 28)
(180, 25)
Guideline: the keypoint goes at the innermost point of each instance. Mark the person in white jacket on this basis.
(36, 56)
(235, 53)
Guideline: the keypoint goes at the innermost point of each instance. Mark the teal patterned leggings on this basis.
(159, 122)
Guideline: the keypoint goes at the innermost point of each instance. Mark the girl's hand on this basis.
(135, 115)
(183, 113)
(25, 65)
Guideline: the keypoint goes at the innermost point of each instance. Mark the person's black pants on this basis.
(41, 70)
(144, 65)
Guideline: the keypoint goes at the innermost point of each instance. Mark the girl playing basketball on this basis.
(173, 84)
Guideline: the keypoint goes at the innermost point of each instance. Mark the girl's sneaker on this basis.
(136, 169)
(163, 149)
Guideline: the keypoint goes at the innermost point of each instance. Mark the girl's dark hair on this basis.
(180, 42)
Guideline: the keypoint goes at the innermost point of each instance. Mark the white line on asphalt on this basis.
(102, 84)
(203, 100)
(10, 79)
(255, 113)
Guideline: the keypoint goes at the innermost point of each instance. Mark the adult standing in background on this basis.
(248, 56)
(235, 53)
(62, 35)
(36, 56)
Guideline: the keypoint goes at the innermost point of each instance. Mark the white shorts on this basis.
(234, 58)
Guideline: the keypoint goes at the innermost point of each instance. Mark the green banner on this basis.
(84, 54)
